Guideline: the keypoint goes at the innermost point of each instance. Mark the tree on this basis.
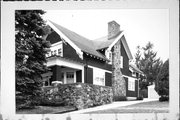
(30, 55)
(138, 56)
(162, 81)
(148, 63)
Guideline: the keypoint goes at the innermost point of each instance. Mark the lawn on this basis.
(146, 107)
(46, 110)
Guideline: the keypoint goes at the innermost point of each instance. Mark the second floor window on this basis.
(59, 51)
(54, 52)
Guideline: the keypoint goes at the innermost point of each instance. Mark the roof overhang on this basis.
(78, 50)
(126, 47)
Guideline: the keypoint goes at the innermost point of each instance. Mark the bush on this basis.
(23, 103)
(26, 101)
(119, 98)
(163, 98)
(144, 93)
(162, 82)
(140, 98)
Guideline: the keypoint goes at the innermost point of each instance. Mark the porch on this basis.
(63, 71)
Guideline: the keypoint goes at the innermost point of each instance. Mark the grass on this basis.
(46, 110)
(146, 107)
(151, 104)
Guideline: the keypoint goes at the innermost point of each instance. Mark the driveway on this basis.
(110, 106)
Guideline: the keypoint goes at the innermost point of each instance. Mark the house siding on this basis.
(70, 53)
(131, 93)
(125, 69)
(53, 37)
(96, 63)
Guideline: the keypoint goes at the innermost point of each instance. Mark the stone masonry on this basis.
(118, 82)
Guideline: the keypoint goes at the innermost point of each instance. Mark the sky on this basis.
(139, 25)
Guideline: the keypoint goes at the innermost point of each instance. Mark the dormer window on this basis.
(54, 52)
(109, 55)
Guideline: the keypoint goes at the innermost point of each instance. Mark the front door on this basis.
(70, 77)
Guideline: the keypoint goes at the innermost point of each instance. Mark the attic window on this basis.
(109, 56)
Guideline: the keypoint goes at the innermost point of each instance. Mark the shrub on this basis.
(144, 93)
(119, 98)
(25, 101)
(163, 98)
(162, 81)
(140, 98)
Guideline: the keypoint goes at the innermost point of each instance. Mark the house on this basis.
(104, 61)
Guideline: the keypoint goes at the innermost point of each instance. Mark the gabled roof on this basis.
(82, 44)
(135, 68)
(105, 43)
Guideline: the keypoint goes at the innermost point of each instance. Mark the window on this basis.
(109, 55)
(70, 75)
(98, 76)
(131, 84)
(59, 51)
(54, 52)
(121, 62)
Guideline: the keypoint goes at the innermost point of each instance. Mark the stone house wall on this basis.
(118, 82)
(79, 95)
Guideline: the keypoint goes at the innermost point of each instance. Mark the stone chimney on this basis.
(113, 29)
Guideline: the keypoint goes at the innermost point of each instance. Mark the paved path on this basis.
(110, 106)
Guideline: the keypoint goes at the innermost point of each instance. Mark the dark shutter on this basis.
(79, 76)
(88, 75)
(108, 79)
(56, 70)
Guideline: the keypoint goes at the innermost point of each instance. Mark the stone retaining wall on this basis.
(79, 95)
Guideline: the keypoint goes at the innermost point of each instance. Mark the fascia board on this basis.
(124, 44)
